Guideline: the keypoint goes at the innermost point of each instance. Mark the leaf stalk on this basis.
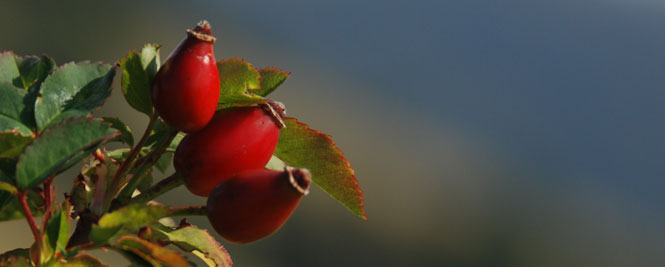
(187, 211)
(145, 164)
(23, 200)
(120, 174)
(165, 185)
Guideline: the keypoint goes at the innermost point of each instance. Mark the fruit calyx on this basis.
(202, 32)
(299, 179)
(276, 110)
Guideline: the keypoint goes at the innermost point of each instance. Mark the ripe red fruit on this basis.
(185, 91)
(255, 203)
(236, 139)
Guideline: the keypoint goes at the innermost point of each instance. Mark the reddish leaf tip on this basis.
(236, 59)
(356, 185)
(275, 69)
(10, 52)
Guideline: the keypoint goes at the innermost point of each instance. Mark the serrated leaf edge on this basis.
(16, 132)
(272, 69)
(143, 241)
(60, 124)
(242, 61)
(206, 254)
(60, 68)
(348, 164)
(123, 60)
(275, 69)
(26, 56)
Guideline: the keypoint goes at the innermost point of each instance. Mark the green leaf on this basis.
(150, 59)
(58, 147)
(9, 71)
(119, 154)
(34, 70)
(164, 161)
(73, 90)
(271, 78)
(191, 238)
(160, 133)
(9, 188)
(126, 219)
(24, 72)
(8, 191)
(12, 144)
(57, 229)
(82, 260)
(20, 80)
(146, 181)
(237, 79)
(152, 253)
(12, 209)
(125, 133)
(15, 109)
(174, 144)
(138, 71)
(302, 147)
(16, 258)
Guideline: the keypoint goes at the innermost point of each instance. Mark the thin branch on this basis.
(23, 200)
(49, 198)
(168, 184)
(188, 211)
(146, 163)
(87, 218)
(118, 179)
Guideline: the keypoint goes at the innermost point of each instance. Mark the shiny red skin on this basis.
(185, 91)
(236, 139)
(252, 205)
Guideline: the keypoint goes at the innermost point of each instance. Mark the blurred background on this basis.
(483, 133)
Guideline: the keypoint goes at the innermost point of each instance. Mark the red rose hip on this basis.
(236, 139)
(255, 203)
(185, 91)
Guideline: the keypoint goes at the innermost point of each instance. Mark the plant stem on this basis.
(147, 162)
(168, 184)
(23, 200)
(48, 191)
(88, 218)
(188, 211)
(48, 200)
(118, 179)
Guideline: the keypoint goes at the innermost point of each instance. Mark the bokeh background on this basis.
(483, 133)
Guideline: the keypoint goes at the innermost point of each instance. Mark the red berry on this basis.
(236, 139)
(255, 203)
(185, 91)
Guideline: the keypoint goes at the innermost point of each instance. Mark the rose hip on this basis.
(185, 91)
(255, 203)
